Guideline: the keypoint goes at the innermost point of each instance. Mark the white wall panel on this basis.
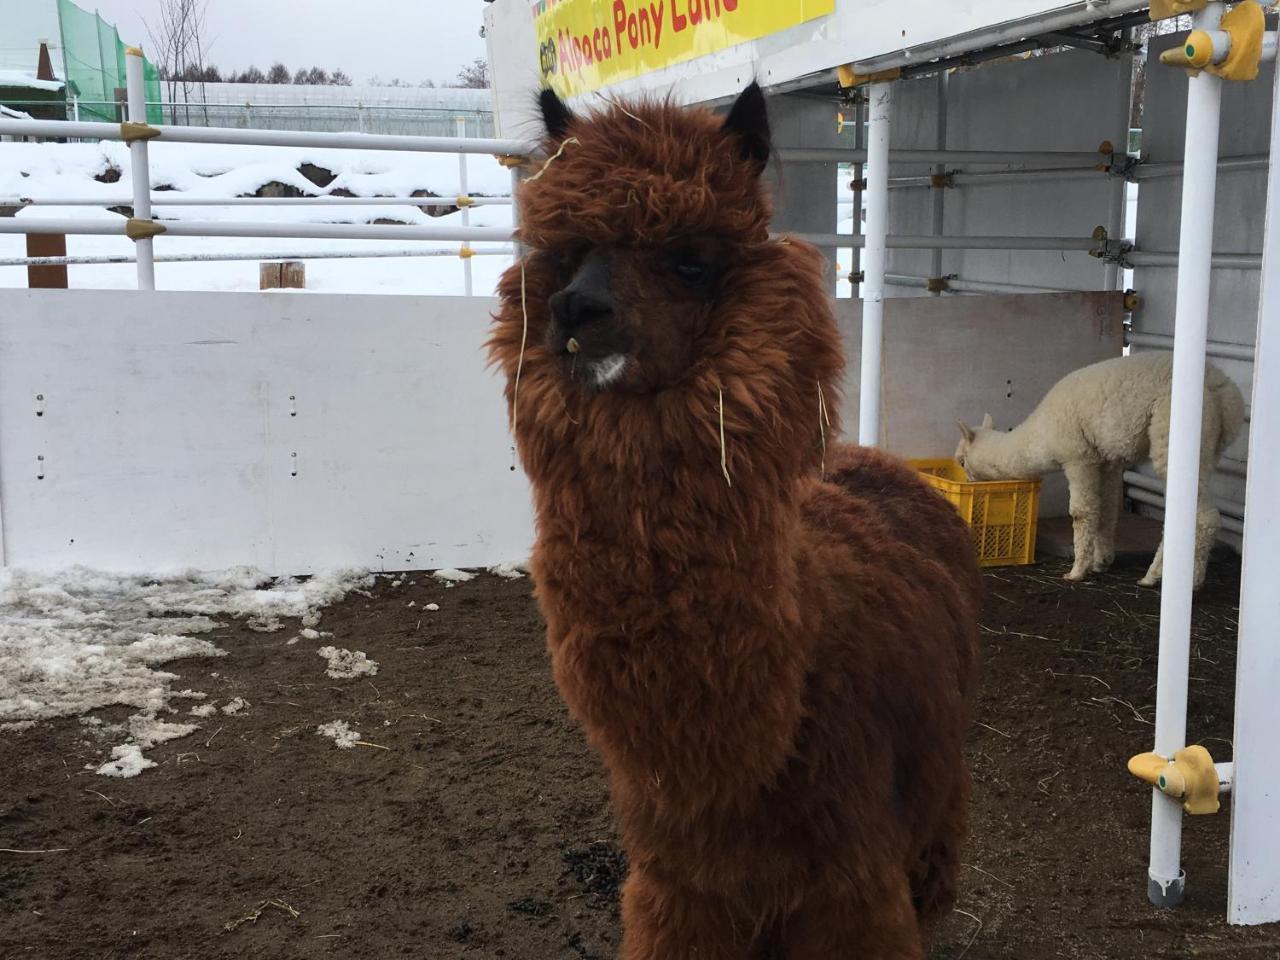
(169, 424)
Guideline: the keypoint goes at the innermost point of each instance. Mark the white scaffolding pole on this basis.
(1253, 890)
(466, 212)
(1166, 881)
(880, 106)
(140, 165)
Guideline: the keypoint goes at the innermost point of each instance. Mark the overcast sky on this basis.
(414, 40)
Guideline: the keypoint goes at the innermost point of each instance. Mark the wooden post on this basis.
(284, 275)
(47, 245)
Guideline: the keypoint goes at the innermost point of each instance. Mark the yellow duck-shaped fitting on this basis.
(1190, 777)
(1232, 52)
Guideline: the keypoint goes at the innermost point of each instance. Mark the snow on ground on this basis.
(347, 664)
(342, 735)
(65, 171)
(80, 640)
(450, 577)
(510, 570)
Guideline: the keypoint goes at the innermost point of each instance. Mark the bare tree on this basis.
(339, 78)
(278, 73)
(177, 40)
(474, 76)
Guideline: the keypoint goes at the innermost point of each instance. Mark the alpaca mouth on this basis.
(604, 372)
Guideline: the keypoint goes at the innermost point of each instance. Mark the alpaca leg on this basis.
(1156, 570)
(1104, 549)
(661, 922)
(935, 881)
(1085, 483)
(1158, 440)
(827, 927)
(1208, 519)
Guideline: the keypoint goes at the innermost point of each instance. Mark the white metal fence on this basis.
(142, 228)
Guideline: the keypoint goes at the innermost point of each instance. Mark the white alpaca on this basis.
(1095, 423)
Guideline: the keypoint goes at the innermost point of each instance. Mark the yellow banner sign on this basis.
(588, 44)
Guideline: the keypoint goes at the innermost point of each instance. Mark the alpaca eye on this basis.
(690, 269)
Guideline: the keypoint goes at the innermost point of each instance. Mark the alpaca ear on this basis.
(555, 115)
(966, 431)
(986, 421)
(748, 121)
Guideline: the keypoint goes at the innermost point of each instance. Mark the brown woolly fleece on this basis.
(776, 671)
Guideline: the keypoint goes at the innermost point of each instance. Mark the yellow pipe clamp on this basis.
(1242, 30)
(1190, 777)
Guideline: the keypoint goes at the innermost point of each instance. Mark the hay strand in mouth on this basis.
(724, 459)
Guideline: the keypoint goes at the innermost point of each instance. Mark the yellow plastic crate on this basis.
(1001, 513)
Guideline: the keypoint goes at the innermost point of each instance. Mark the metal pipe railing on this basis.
(175, 198)
(108, 259)
(967, 178)
(1221, 261)
(1065, 158)
(285, 231)
(1231, 508)
(1214, 348)
(960, 285)
(140, 166)
(1141, 495)
(880, 98)
(953, 242)
(466, 210)
(1070, 15)
(1166, 880)
(1173, 168)
(59, 129)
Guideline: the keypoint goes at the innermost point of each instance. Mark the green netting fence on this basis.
(95, 67)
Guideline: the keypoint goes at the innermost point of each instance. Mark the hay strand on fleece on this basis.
(515, 389)
(824, 421)
(724, 459)
(551, 159)
(524, 309)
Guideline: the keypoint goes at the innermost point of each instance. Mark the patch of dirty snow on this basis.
(433, 607)
(235, 706)
(79, 640)
(128, 762)
(514, 570)
(342, 735)
(204, 710)
(346, 664)
(450, 577)
(144, 732)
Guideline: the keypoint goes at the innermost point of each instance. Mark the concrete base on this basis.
(1136, 536)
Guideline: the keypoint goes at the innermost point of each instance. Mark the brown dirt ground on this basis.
(482, 829)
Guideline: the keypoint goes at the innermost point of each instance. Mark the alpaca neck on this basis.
(1023, 451)
(657, 526)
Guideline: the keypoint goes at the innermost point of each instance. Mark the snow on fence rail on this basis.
(142, 228)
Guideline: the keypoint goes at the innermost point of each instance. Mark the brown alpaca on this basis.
(776, 670)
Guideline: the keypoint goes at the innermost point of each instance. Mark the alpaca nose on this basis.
(574, 309)
(587, 299)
